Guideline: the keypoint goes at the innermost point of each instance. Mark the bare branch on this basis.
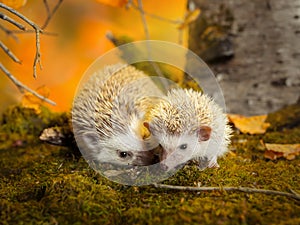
(293, 195)
(157, 17)
(9, 32)
(37, 57)
(9, 53)
(47, 7)
(21, 16)
(146, 30)
(49, 12)
(23, 87)
(32, 31)
(12, 21)
(145, 25)
(37, 29)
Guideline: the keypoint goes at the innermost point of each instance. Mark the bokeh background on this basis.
(80, 28)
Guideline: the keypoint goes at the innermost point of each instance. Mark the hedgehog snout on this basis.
(146, 158)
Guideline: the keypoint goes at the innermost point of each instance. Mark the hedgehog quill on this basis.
(108, 115)
(189, 125)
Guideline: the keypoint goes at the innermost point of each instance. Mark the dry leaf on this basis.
(190, 17)
(288, 151)
(251, 125)
(14, 3)
(33, 102)
(114, 3)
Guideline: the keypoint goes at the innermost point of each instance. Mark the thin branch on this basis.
(47, 7)
(12, 21)
(37, 29)
(154, 16)
(142, 13)
(22, 17)
(9, 53)
(9, 33)
(49, 12)
(147, 35)
(293, 195)
(23, 87)
(37, 57)
(32, 31)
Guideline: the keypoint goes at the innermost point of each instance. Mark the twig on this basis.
(37, 57)
(9, 53)
(145, 25)
(12, 21)
(146, 30)
(158, 17)
(9, 33)
(293, 195)
(23, 87)
(49, 12)
(32, 31)
(47, 8)
(37, 29)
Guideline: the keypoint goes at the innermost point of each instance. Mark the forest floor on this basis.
(46, 184)
(264, 74)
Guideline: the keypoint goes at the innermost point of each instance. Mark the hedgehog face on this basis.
(127, 149)
(177, 150)
(180, 148)
(119, 149)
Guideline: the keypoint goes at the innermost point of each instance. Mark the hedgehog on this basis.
(189, 125)
(107, 117)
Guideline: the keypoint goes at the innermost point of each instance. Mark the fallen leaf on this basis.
(114, 3)
(251, 125)
(189, 18)
(33, 102)
(288, 151)
(14, 3)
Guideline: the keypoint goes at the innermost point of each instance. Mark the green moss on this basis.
(286, 118)
(44, 184)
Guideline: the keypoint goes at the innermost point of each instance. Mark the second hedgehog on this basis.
(107, 116)
(189, 125)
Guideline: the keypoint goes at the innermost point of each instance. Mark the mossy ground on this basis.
(44, 184)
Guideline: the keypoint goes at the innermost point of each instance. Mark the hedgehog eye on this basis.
(183, 146)
(124, 154)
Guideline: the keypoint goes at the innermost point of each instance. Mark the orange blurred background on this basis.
(81, 27)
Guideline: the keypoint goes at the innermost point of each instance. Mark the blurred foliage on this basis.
(172, 73)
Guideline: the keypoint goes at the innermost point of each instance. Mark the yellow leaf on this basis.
(190, 17)
(114, 3)
(288, 151)
(33, 102)
(251, 125)
(14, 3)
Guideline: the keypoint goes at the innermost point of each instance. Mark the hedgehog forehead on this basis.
(172, 119)
(171, 142)
(126, 142)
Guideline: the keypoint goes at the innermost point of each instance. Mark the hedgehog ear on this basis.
(147, 125)
(90, 139)
(204, 133)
